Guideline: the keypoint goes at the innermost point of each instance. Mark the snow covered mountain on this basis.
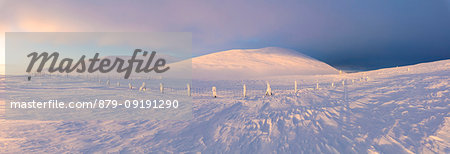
(251, 63)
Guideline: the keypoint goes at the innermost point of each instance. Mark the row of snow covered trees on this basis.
(214, 89)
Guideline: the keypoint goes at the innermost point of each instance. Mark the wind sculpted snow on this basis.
(394, 110)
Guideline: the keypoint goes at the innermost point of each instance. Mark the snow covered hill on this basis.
(251, 63)
(393, 110)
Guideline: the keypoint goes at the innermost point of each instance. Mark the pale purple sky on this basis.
(356, 34)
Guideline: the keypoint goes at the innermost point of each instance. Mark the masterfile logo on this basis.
(65, 65)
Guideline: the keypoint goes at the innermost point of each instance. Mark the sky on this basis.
(358, 35)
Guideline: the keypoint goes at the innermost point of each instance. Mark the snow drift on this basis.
(399, 110)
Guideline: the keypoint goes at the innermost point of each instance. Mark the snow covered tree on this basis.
(142, 88)
(188, 89)
(295, 87)
(245, 90)
(161, 88)
(214, 91)
(268, 90)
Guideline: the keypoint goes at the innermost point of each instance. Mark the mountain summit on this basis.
(255, 63)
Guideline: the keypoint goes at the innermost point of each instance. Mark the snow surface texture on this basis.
(251, 63)
(393, 110)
